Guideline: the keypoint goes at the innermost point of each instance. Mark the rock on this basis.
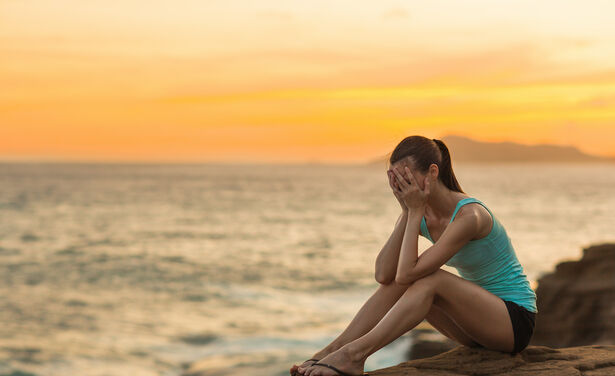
(428, 342)
(576, 303)
(595, 360)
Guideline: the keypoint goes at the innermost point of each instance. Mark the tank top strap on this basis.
(464, 201)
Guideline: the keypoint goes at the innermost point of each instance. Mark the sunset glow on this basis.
(279, 81)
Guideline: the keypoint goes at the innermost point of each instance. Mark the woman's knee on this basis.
(392, 289)
(429, 281)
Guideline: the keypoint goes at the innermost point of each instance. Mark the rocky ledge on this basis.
(576, 303)
(592, 360)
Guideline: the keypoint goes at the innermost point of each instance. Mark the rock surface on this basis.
(576, 303)
(427, 342)
(595, 360)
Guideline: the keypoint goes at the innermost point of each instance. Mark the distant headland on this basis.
(465, 149)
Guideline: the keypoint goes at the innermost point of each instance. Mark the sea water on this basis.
(115, 269)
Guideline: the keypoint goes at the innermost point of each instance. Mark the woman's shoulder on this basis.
(481, 214)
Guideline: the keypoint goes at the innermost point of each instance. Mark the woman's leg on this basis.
(372, 311)
(482, 315)
(443, 323)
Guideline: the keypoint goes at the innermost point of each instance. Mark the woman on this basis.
(491, 305)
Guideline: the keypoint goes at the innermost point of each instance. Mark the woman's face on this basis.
(408, 162)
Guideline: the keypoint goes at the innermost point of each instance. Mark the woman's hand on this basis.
(396, 190)
(411, 193)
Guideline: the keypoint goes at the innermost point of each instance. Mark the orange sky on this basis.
(295, 81)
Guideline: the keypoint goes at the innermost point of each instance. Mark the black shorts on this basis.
(523, 322)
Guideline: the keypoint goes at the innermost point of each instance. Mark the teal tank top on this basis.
(491, 263)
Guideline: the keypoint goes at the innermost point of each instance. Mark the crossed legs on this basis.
(458, 308)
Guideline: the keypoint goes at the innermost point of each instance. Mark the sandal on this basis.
(337, 370)
(315, 360)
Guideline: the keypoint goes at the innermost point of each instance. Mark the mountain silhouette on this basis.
(463, 149)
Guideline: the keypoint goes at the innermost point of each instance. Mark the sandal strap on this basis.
(341, 373)
(297, 374)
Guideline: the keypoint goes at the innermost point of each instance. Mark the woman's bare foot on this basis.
(341, 359)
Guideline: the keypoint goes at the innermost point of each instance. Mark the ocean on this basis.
(143, 269)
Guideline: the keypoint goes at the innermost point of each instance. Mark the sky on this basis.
(299, 81)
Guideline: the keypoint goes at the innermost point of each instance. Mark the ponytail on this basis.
(446, 174)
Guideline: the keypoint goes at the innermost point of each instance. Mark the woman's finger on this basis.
(397, 186)
(412, 179)
(401, 180)
(392, 182)
(391, 177)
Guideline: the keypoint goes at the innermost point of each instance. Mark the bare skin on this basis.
(448, 302)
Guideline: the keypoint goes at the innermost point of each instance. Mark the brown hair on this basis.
(424, 152)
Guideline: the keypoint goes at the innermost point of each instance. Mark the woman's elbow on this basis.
(384, 279)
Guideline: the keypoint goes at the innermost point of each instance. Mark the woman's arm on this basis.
(409, 249)
(461, 230)
(386, 262)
